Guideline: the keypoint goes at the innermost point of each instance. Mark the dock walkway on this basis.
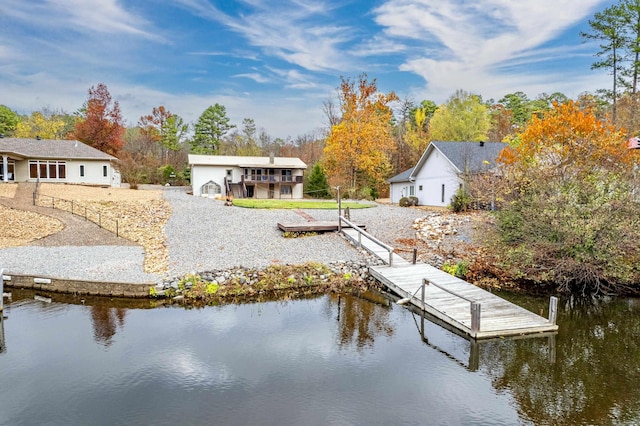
(464, 306)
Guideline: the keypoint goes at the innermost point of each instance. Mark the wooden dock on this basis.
(473, 311)
(312, 226)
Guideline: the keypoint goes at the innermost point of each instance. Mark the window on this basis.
(286, 176)
(81, 170)
(41, 169)
(285, 190)
(412, 190)
(105, 171)
(420, 188)
(442, 200)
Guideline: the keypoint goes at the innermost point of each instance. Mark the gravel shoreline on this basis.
(204, 235)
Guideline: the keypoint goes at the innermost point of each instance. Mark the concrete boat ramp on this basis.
(471, 310)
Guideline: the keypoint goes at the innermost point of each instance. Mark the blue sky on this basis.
(277, 61)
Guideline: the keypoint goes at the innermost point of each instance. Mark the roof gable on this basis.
(464, 156)
(51, 148)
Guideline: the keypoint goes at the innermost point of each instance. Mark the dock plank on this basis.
(498, 317)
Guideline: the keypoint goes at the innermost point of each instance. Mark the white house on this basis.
(438, 174)
(219, 176)
(61, 161)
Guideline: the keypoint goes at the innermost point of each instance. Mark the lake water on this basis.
(328, 360)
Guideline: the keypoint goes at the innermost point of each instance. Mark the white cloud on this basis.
(286, 30)
(475, 43)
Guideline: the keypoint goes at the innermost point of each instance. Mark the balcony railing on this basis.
(272, 178)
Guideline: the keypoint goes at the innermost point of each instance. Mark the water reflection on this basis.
(106, 322)
(360, 323)
(596, 374)
(293, 362)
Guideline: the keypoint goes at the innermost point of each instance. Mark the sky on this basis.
(279, 61)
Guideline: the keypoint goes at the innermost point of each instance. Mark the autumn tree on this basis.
(243, 142)
(8, 120)
(357, 151)
(100, 123)
(462, 118)
(46, 124)
(167, 129)
(210, 130)
(568, 215)
(417, 135)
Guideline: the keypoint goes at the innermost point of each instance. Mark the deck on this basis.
(312, 226)
(471, 310)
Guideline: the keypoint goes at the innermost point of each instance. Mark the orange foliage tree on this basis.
(101, 124)
(568, 212)
(357, 151)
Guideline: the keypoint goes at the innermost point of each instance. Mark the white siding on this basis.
(435, 172)
(203, 174)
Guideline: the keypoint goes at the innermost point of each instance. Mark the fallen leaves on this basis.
(20, 227)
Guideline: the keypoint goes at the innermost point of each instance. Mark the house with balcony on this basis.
(220, 176)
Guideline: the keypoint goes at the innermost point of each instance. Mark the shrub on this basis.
(461, 201)
(408, 201)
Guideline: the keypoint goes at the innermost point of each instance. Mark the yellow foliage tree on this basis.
(39, 125)
(357, 151)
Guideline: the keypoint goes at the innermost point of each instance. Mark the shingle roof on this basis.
(51, 148)
(240, 161)
(401, 177)
(470, 156)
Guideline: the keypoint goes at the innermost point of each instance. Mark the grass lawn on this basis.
(297, 204)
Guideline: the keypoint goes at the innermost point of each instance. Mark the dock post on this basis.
(415, 255)
(339, 210)
(424, 283)
(1, 290)
(553, 309)
(475, 318)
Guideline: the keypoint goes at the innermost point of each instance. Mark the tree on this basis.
(37, 125)
(630, 10)
(417, 137)
(568, 216)
(607, 27)
(101, 125)
(520, 106)
(8, 120)
(462, 118)
(357, 151)
(167, 129)
(317, 185)
(210, 129)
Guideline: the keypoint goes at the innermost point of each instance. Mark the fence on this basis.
(77, 209)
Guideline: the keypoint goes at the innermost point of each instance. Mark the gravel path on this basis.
(203, 234)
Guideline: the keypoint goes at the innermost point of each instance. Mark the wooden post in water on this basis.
(475, 318)
(553, 309)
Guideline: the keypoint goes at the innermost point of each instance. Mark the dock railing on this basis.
(475, 307)
(362, 232)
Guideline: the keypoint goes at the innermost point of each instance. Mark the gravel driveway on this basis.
(203, 234)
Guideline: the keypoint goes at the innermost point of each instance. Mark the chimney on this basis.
(271, 158)
(481, 143)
